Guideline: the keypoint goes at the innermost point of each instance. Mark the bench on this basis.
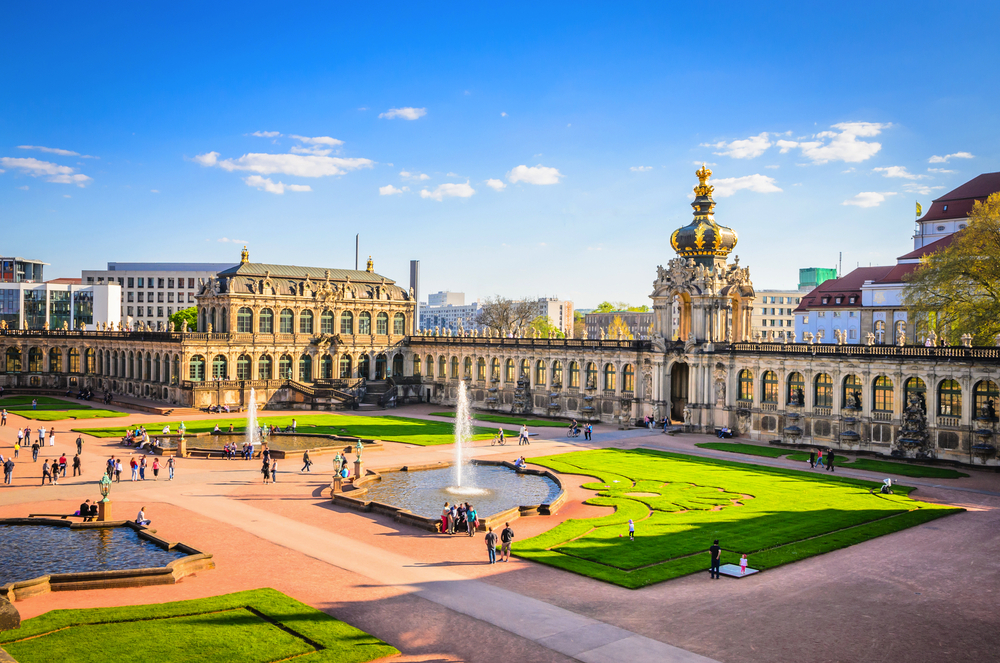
(62, 516)
(672, 430)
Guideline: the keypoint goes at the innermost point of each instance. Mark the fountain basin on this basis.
(282, 445)
(416, 495)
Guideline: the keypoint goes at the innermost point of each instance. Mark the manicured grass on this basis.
(54, 409)
(870, 465)
(58, 415)
(257, 626)
(14, 402)
(389, 428)
(774, 515)
(512, 421)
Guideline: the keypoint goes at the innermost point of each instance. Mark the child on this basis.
(743, 565)
(631, 530)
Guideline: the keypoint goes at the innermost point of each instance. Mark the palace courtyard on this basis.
(921, 591)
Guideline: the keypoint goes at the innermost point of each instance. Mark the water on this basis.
(463, 433)
(424, 492)
(30, 551)
(282, 442)
(252, 432)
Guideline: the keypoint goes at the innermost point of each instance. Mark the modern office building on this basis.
(445, 298)
(55, 306)
(21, 270)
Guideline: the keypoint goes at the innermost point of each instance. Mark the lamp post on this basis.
(104, 506)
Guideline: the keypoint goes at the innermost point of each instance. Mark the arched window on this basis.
(880, 331)
(823, 393)
(326, 322)
(365, 323)
(175, 374)
(13, 360)
(244, 320)
(591, 375)
(364, 367)
(557, 373)
(851, 394)
(156, 368)
(326, 364)
(468, 368)
(609, 377)
(55, 360)
(266, 321)
(305, 368)
(917, 388)
(796, 389)
(481, 369)
(397, 366)
(285, 321)
(574, 375)
(628, 378)
(345, 366)
(138, 366)
(147, 375)
(524, 370)
(306, 322)
(769, 387)
(196, 372)
(949, 399)
(509, 371)
(35, 358)
(285, 367)
(211, 319)
(416, 365)
(495, 370)
(454, 368)
(243, 367)
(382, 324)
(219, 368)
(430, 366)
(985, 394)
(442, 367)
(746, 385)
(882, 394)
(540, 372)
(121, 366)
(399, 324)
(74, 360)
(265, 367)
(224, 321)
(346, 322)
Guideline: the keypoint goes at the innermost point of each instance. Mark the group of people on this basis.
(506, 537)
(459, 517)
(816, 459)
(269, 467)
(574, 430)
(24, 439)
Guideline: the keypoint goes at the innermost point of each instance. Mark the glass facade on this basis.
(34, 309)
(83, 308)
(10, 308)
(59, 309)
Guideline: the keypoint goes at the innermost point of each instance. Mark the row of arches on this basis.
(553, 373)
(882, 392)
(139, 365)
(58, 361)
(304, 368)
(263, 322)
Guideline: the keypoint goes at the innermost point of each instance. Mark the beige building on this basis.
(774, 312)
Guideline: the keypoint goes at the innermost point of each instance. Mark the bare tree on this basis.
(506, 316)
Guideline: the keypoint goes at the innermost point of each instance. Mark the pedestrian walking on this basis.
(265, 469)
(20, 436)
(142, 468)
(79, 444)
(829, 461)
(34, 451)
(156, 469)
(812, 459)
(52, 437)
(631, 530)
(170, 469)
(306, 461)
(506, 536)
(34, 403)
(819, 459)
(118, 470)
(17, 448)
(491, 546)
(135, 468)
(716, 552)
(62, 465)
(588, 430)
(46, 474)
(8, 471)
(3, 418)
(743, 565)
(274, 471)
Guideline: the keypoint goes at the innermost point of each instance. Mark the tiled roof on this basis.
(844, 287)
(959, 201)
(294, 271)
(929, 248)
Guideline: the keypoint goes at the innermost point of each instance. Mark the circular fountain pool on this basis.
(489, 488)
(279, 442)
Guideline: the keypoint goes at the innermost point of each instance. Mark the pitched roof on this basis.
(296, 272)
(928, 249)
(957, 203)
(845, 286)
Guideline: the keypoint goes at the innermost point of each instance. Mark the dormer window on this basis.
(854, 299)
(826, 300)
(840, 300)
(945, 208)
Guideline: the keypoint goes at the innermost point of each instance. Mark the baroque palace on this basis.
(309, 338)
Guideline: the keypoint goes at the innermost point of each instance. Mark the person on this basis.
(344, 472)
(274, 471)
(743, 565)
(118, 470)
(294, 425)
(141, 518)
(166, 429)
(85, 511)
(20, 435)
(829, 461)
(588, 431)
(34, 403)
(46, 474)
(819, 459)
(170, 469)
(522, 436)
(79, 444)
(885, 489)
(62, 465)
(230, 428)
(491, 546)
(41, 436)
(52, 437)
(306, 461)
(216, 430)
(444, 517)
(812, 459)
(631, 530)
(156, 469)
(471, 520)
(265, 469)
(500, 435)
(34, 451)
(93, 510)
(716, 552)
(452, 514)
(519, 463)
(142, 468)
(8, 471)
(17, 448)
(506, 537)
(77, 471)
(3, 417)
(134, 465)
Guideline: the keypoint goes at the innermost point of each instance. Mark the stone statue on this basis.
(791, 335)
(687, 414)
(720, 392)
(869, 339)
(966, 340)
(602, 334)
(819, 335)
(46, 325)
(3, 325)
(901, 340)
(184, 326)
(932, 337)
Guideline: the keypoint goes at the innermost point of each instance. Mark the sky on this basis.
(519, 149)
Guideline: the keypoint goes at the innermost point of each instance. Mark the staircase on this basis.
(375, 393)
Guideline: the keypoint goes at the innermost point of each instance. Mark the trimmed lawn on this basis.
(681, 503)
(14, 402)
(257, 626)
(58, 415)
(389, 428)
(512, 421)
(870, 465)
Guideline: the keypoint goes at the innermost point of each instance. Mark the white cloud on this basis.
(922, 189)
(233, 241)
(772, 166)
(940, 170)
(266, 134)
(22, 188)
(52, 172)
(869, 198)
(748, 148)
(449, 190)
(390, 190)
(503, 114)
(317, 140)
(55, 150)
(279, 188)
(154, 190)
(842, 145)
(298, 165)
(407, 113)
(534, 175)
(407, 175)
(66, 195)
(730, 185)
(640, 169)
(945, 158)
(898, 171)
(496, 185)
(363, 108)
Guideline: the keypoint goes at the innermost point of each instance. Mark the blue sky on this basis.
(524, 149)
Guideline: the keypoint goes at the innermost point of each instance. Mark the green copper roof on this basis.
(296, 272)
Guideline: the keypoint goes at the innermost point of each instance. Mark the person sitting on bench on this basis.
(725, 432)
(93, 511)
(85, 511)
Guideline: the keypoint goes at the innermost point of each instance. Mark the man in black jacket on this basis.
(716, 552)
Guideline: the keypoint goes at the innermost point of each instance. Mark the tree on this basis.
(618, 330)
(189, 314)
(956, 290)
(579, 324)
(505, 316)
(611, 307)
(545, 329)
(605, 307)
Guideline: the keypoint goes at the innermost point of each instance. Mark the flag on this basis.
(920, 210)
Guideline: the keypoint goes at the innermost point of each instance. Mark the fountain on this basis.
(253, 430)
(463, 434)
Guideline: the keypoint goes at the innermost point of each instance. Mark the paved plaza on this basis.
(924, 594)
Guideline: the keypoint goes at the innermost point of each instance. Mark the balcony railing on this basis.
(881, 416)
(950, 422)
(820, 411)
(908, 351)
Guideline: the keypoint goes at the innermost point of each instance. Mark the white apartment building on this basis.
(446, 298)
(559, 313)
(154, 291)
(774, 310)
(58, 305)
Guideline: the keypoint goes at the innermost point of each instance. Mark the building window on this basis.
(306, 322)
(141, 299)
(265, 321)
(170, 283)
(243, 367)
(399, 324)
(454, 368)
(346, 322)
(746, 385)
(170, 298)
(826, 300)
(345, 366)
(628, 378)
(285, 321)
(821, 314)
(305, 368)
(851, 395)
(149, 311)
(139, 282)
(574, 375)
(985, 394)
(219, 368)
(880, 331)
(823, 394)
(159, 283)
(131, 282)
(365, 324)
(128, 310)
(130, 296)
(609, 377)
(382, 324)
(326, 322)
(591, 375)
(364, 367)
(882, 394)
(509, 371)
(540, 372)
(769, 387)
(949, 399)
(265, 367)
(285, 367)
(197, 369)
(481, 369)
(244, 321)
(159, 311)
(796, 389)
(557, 373)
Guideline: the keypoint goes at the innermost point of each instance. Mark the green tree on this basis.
(189, 314)
(611, 307)
(545, 329)
(579, 324)
(956, 290)
(605, 307)
(618, 330)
